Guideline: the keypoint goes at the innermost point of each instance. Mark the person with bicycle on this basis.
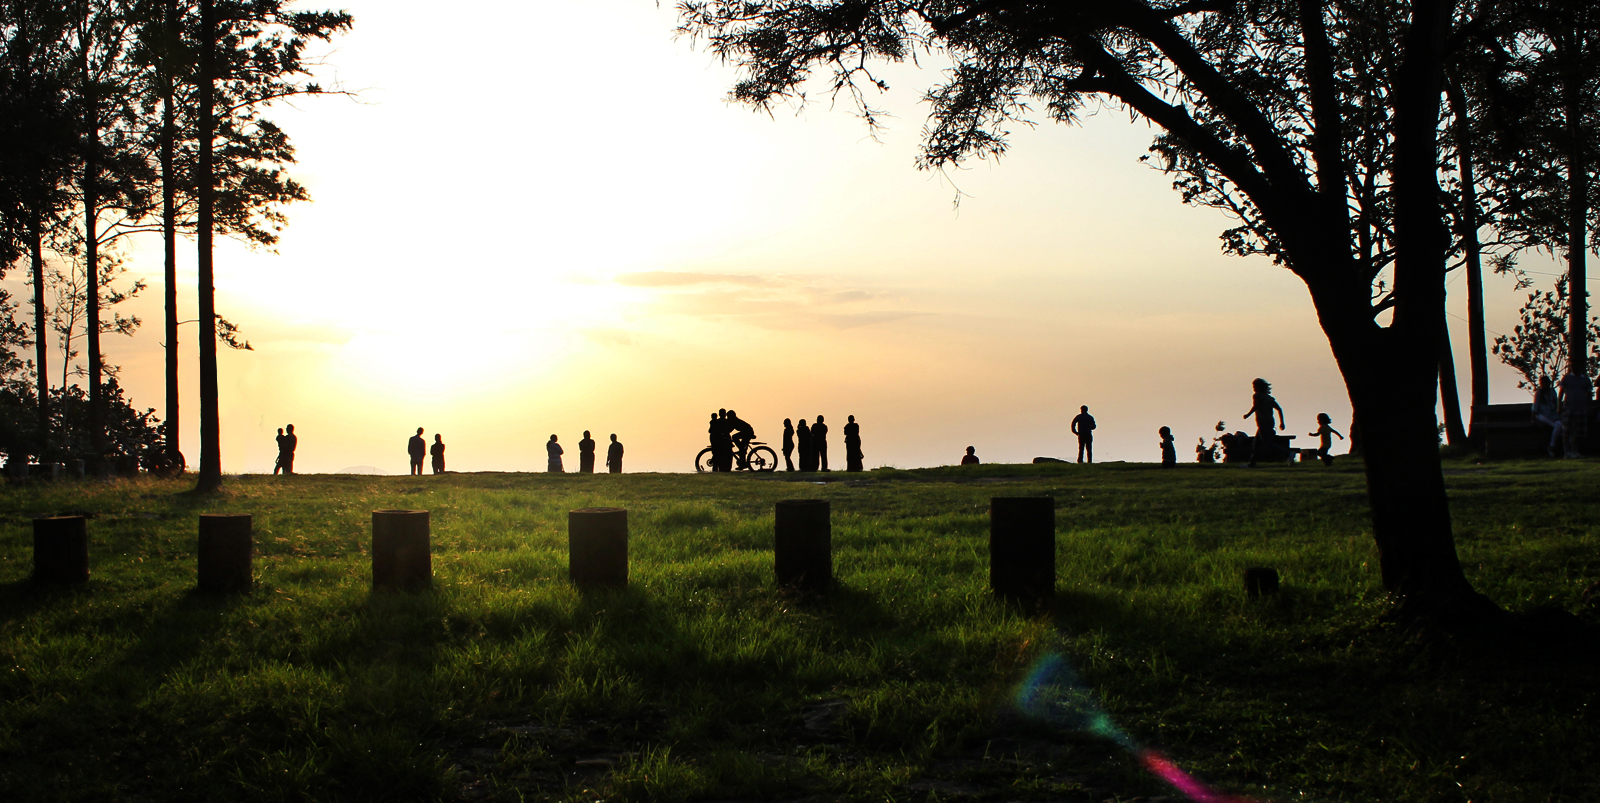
(741, 433)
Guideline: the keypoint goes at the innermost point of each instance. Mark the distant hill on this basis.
(361, 470)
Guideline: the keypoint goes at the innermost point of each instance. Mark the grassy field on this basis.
(703, 681)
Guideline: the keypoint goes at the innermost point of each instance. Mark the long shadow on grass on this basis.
(21, 599)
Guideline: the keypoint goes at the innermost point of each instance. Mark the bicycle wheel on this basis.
(762, 458)
(702, 461)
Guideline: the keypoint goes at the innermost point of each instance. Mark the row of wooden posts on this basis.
(1022, 549)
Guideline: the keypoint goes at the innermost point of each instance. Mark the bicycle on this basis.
(760, 457)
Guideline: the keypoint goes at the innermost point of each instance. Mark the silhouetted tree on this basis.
(1266, 107)
(1537, 346)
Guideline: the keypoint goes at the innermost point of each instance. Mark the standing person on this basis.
(614, 455)
(1261, 406)
(417, 448)
(437, 452)
(970, 458)
(788, 444)
(721, 442)
(1547, 411)
(1169, 453)
(1576, 393)
(277, 465)
(1324, 429)
(286, 451)
(586, 454)
(1083, 427)
(808, 455)
(819, 442)
(711, 436)
(555, 451)
(852, 446)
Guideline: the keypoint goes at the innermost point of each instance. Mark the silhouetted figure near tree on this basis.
(788, 444)
(808, 455)
(614, 455)
(1324, 430)
(1576, 393)
(740, 433)
(1083, 427)
(277, 465)
(437, 452)
(1261, 406)
(1169, 452)
(555, 451)
(970, 458)
(819, 442)
(586, 454)
(853, 458)
(1547, 411)
(417, 448)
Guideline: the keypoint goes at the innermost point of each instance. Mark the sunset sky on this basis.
(544, 217)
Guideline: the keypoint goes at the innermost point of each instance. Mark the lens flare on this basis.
(1052, 694)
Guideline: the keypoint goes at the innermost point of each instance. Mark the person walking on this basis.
(808, 455)
(614, 455)
(554, 451)
(853, 458)
(1083, 427)
(1261, 406)
(437, 452)
(417, 448)
(788, 444)
(586, 454)
(819, 442)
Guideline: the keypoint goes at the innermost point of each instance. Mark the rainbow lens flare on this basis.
(1052, 694)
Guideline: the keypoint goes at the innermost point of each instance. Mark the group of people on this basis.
(730, 440)
(812, 441)
(418, 448)
(554, 451)
(1566, 412)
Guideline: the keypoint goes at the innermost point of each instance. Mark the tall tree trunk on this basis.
(169, 224)
(91, 246)
(210, 418)
(1472, 249)
(1577, 216)
(1449, 396)
(41, 331)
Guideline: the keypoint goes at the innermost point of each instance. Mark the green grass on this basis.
(702, 680)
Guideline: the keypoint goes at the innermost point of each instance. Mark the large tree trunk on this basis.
(1449, 396)
(1577, 216)
(91, 258)
(1472, 251)
(169, 224)
(41, 331)
(210, 418)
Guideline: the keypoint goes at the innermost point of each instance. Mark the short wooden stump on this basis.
(1260, 581)
(597, 546)
(402, 557)
(802, 548)
(61, 549)
(1022, 547)
(225, 552)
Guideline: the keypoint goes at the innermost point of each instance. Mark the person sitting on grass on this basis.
(971, 457)
(1169, 452)
(1324, 429)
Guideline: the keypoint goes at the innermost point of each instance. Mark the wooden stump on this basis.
(61, 549)
(1022, 547)
(77, 468)
(402, 558)
(597, 546)
(1260, 581)
(802, 551)
(225, 552)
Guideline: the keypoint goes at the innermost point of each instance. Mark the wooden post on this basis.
(225, 552)
(597, 546)
(802, 549)
(402, 558)
(1260, 581)
(1022, 547)
(61, 549)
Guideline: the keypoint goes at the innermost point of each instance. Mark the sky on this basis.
(545, 217)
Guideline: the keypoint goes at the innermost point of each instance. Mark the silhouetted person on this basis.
(1324, 429)
(808, 455)
(1547, 411)
(286, 450)
(437, 452)
(852, 446)
(1169, 453)
(614, 455)
(788, 444)
(819, 442)
(418, 449)
(722, 441)
(740, 433)
(555, 451)
(586, 454)
(1576, 393)
(970, 458)
(277, 464)
(1261, 406)
(713, 434)
(1083, 427)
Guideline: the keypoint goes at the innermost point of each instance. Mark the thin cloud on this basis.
(667, 278)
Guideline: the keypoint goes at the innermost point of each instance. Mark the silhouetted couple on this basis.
(813, 442)
(286, 444)
(417, 448)
(730, 439)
